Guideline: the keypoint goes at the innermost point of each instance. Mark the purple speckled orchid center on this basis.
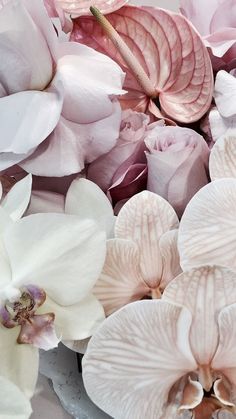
(22, 311)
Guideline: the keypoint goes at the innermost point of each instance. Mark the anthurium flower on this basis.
(49, 90)
(13, 403)
(80, 8)
(162, 359)
(46, 286)
(208, 226)
(143, 257)
(175, 68)
(177, 160)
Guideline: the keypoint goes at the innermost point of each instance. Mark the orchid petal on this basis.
(17, 406)
(196, 13)
(221, 126)
(77, 321)
(192, 395)
(17, 199)
(204, 292)
(85, 199)
(15, 360)
(225, 93)
(170, 257)
(39, 332)
(128, 370)
(45, 201)
(221, 41)
(66, 246)
(121, 281)
(222, 391)
(206, 233)
(222, 162)
(80, 8)
(143, 219)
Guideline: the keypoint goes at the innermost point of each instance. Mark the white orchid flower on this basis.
(13, 403)
(143, 256)
(49, 264)
(169, 358)
(222, 163)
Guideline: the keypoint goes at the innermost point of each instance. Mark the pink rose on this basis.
(177, 164)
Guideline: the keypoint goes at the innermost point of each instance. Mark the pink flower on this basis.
(177, 164)
(216, 22)
(54, 109)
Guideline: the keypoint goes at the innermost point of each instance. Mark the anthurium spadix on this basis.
(168, 63)
(169, 358)
(143, 256)
(49, 264)
(208, 227)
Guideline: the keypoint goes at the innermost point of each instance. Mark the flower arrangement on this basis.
(118, 203)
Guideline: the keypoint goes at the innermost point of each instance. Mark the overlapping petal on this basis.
(222, 162)
(17, 199)
(225, 94)
(208, 226)
(129, 368)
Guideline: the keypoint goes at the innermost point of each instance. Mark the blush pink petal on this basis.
(121, 281)
(39, 332)
(80, 8)
(204, 292)
(206, 233)
(133, 181)
(224, 16)
(144, 219)
(199, 13)
(128, 369)
(184, 83)
(170, 257)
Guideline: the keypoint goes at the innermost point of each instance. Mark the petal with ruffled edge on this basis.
(17, 406)
(204, 292)
(225, 93)
(45, 250)
(15, 361)
(78, 321)
(136, 356)
(17, 199)
(121, 281)
(170, 257)
(208, 227)
(222, 162)
(143, 219)
(85, 199)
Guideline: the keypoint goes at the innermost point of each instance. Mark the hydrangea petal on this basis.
(128, 370)
(208, 227)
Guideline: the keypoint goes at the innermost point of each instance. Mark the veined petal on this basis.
(222, 162)
(78, 321)
(121, 281)
(170, 257)
(208, 227)
(225, 93)
(204, 292)
(15, 361)
(85, 199)
(50, 249)
(13, 403)
(143, 219)
(17, 199)
(129, 369)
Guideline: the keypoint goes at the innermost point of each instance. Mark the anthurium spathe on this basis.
(52, 103)
(168, 358)
(143, 256)
(175, 68)
(45, 289)
(80, 8)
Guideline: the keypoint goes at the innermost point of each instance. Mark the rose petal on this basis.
(128, 370)
(17, 407)
(143, 219)
(17, 199)
(121, 281)
(80, 8)
(66, 246)
(223, 158)
(208, 226)
(204, 292)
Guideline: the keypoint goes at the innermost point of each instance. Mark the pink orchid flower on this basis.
(56, 103)
(143, 257)
(171, 358)
(216, 22)
(163, 56)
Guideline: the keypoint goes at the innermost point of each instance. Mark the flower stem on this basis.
(126, 54)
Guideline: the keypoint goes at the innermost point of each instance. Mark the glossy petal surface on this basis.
(80, 8)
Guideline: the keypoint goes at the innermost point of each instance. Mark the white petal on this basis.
(136, 356)
(208, 227)
(45, 201)
(225, 93)
(170, 257)
(17, 199)
(78, 321)
(18, 363)
(121, 281)
(13, 403)
(85, 199)
(51, 249)
(204, 292)
(222, 162)
(221, 126)
(143, 219)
